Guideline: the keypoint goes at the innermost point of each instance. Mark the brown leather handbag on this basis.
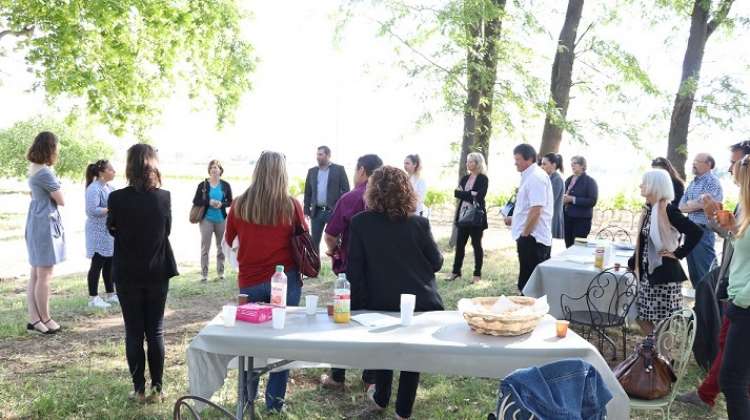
(197, 212)
(646, 374)
(304, 253)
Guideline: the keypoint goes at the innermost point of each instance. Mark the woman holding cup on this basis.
(392, 255)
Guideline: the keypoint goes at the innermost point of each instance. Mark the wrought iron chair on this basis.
(674, 340)
(182, 402)
(505, 407)
(614, 234)
(608, 299)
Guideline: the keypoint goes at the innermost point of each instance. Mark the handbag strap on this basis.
(299, 217)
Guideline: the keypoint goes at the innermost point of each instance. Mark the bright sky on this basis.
(308, 91)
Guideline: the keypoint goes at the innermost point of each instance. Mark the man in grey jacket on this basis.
(324, 185)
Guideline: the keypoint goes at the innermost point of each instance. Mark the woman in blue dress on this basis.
(99, 243)
(45, 237)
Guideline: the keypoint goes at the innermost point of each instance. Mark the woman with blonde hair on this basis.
(734, 376)
(263, 219)
(471, 192)
(658, 251)
(413, 167)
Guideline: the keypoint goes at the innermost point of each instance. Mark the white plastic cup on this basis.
(407, 308)
(311, 304)
(279, 318)
(229, 315)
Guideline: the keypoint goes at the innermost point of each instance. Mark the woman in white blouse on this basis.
(413, 167)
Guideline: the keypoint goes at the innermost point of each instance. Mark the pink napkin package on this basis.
(254, 313)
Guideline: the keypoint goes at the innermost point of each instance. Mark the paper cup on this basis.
(279, 318)
(311, 304)
(229, 315)
(407, 309)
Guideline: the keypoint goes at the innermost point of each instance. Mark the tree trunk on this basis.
(562, 79)
(700, 30)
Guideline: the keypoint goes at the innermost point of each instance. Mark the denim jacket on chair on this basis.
(569, 389)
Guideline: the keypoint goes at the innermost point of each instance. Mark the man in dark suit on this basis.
(324, 185)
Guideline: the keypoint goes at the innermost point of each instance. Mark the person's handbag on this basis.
(197, 212)
(646, 374)
(471, 216)
(304, 253)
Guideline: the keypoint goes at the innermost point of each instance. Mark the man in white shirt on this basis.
(531, 223)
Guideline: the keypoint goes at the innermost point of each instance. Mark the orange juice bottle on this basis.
(342, 300)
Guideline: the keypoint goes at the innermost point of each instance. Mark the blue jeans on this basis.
(700, 258)
(317, 224)
(276, 386)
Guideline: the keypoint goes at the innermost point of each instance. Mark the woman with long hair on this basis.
(552, 163)
(263, 219)
(734, 376)
(413, 167)
(392, 251)
(677, 182)
(471, 190)
(139, 217)
(215, 195)
(45, 237)
(99, 243)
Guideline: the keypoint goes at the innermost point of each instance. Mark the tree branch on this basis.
(27, 31)
(583, 34)
(720, 17)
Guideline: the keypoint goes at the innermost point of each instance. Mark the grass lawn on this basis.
(82, 372)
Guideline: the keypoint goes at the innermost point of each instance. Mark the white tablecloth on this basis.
(560, 275)
(437, 342)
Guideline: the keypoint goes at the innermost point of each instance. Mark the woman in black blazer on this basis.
(140, 219)
(472, 189)
(215, 196)
(657, 265)
(581, 194)
(391, 251)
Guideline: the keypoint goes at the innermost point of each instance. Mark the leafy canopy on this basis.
(121, 57)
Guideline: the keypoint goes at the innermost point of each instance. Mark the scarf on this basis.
(662, 236)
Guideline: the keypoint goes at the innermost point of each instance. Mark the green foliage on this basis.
(620, 201)
(123, 57)
(78, 147)
(436, 198)
(296, 186)
(497, 199)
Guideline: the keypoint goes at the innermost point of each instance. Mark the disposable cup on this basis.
(562, 328)
(407, 308)
(311, 304)
(279, 318)
(229, 315)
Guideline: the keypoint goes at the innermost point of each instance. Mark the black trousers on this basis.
(463, 235)
(143, 313)
(734, 377)
(530, 254)
(407, 390)
(339, 375)
(103, 265)
(576, 227)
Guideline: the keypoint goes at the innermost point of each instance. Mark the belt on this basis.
(323, 207)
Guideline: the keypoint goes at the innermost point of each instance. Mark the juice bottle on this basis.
(342, 300)
(278, 287)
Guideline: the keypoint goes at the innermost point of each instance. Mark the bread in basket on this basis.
(482, 319)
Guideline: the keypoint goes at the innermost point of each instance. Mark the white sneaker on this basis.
(98, 302)
(112, 299)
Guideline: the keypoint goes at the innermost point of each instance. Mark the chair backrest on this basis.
(614, 234)
(674, 340)
(610, 295)
(507, 408)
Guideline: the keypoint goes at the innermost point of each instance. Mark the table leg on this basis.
(241, 381)
(251, 375)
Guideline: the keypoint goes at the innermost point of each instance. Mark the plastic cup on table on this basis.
(278, 315)
(311, 304)
(229, 315)
(408, 303)
(562, 328)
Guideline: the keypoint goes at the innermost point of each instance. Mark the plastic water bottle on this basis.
(278, 287)
(342, 300)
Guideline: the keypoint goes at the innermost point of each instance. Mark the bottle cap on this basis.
(279, 268)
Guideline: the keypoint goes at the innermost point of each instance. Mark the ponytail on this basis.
(94, 169)
(557, 160)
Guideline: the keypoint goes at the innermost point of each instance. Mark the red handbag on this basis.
(303, 252)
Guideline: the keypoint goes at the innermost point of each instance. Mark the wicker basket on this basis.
(507, 324)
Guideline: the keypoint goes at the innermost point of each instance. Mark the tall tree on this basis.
(562, 79)
(122, 57)
(703, 23)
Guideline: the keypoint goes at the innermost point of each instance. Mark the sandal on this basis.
(453, 276)
(32, 327)
(51, 330)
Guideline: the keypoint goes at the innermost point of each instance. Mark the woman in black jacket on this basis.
(471, 190)
(658, 251)
(581, 194)
(215, 195)
(391, 251)
(140, 218)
